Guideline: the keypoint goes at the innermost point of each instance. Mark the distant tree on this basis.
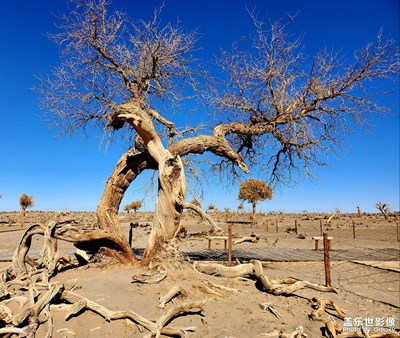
(135, 206)
(240, 207)
(384, 208)
(358, 211)
(212, 207)
(254, 191)
(25, 202)
(127, 208)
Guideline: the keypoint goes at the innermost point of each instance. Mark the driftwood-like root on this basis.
(255, 269)
(27, 282)
(152, 276)
(174, 292)
(219, 270)
(297, 333)
(321, 304)
(203, 215)
(253, 238)
(268, 306)
(156, 328)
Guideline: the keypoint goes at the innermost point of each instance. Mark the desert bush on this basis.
(135, 206)
(254, 191)
(26, 201)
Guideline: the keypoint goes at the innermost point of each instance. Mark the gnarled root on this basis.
(86, 239)
(151, 277)
(156, 328)
(255, 269)
(297, 333)
(320, 306)
(174, 292)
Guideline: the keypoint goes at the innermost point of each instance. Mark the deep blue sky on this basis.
(72, 171)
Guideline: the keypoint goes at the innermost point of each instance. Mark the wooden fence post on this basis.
(320, 226)
(295, 226)
(130, 234)
(276, 223)
(354, 229)
(398, 231)
(230, 244)
(327, 260)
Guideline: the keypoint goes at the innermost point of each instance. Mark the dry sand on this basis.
(366, 289)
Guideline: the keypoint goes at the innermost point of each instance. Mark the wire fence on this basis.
(371, 242)
(357, 236)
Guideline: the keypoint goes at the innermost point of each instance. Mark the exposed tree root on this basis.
(156, 328)
(297, 333)
(255, 269)
(248, 239)
(335, 329)
(29, 286)
(320, 306)
(174, 292)
(151, 277)
(268, 306)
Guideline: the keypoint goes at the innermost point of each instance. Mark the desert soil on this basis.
(369, 291)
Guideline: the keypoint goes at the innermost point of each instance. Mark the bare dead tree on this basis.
(271, 105)
(384, 209)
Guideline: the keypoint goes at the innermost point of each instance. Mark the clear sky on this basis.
(71, 172)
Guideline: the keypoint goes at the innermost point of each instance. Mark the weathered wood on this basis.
(217, 238)
(175, 291)
(248, 239)
(320, 306)
(297, 333)
(156, 328)
(230, 244)
(254, 268)
(183, 309)
(209, 291)
(203, 215)
(171, 179)
(327, 263)
(128, 167)
(82, 238)
(268, 306)
(33, 311)
(151, 277)
(224, 271)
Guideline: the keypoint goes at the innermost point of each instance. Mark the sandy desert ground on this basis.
(368, 290)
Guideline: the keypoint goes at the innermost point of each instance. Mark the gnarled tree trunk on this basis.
(171, 180)
(169, 207)
(129, 166)
(253, 214)
(172, 185)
